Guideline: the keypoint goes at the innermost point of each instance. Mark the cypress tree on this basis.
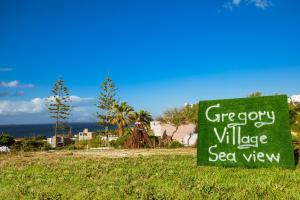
(58, 106)
(106, 101)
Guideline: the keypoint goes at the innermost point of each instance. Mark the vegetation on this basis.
(180, 116)
(255, 94)
(294, 111)
(144, 117)
(174, 144)
(119, 143)
(113, 112)
(31, 144)
(122, 116)
(58, 106)
(6, 140)
(65, 176)
(95, 142)
(106, 101)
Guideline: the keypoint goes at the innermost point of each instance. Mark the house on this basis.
(190, 140)
(61, 141)
(185, 134)
(85, 135)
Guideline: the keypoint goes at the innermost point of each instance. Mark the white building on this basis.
(86, 135)
(190, 140)
(185, 133)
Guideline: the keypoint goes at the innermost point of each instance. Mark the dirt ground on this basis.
(115, 153)
(108, 153)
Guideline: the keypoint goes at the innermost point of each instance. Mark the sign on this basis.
(248, 132)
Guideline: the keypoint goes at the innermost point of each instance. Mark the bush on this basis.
(6, 140)
(119, 143)
(31, 145)
(93, 143)
(174, 144)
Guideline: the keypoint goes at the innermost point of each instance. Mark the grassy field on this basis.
(138, 174)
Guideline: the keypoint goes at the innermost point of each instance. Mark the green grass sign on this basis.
(248, 132)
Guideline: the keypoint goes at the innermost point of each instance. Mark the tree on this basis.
(294, 112)
(175, 117)
(190, 113)
(255, 94)
(6, 140)
(144, 117)
(121, 115)
(106, 101)
(180, 116)
(58, 105)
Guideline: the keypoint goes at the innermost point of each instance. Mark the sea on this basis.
(31, 130)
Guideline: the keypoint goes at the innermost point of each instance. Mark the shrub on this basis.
(119, 143)
(31, 145)
(174, 144)
(39, 137)
(6, 140)
(93, 143)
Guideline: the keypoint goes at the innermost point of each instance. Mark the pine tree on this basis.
(106, 101)
(58, 106)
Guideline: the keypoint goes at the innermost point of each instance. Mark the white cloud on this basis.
(36, 105)
(236, 2)
(84, 110)
(262, 4)
(6, 69)
(12, 94)
(15, 84)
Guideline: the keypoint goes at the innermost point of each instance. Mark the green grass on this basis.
(147, 177)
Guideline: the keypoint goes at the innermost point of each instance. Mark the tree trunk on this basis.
(120, 130)
(55, 134)
(56, 127)
(174, 132)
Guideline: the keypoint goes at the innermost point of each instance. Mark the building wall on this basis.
(159, 128)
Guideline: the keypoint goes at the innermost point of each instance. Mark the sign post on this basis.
(247, 132)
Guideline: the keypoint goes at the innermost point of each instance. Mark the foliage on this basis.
(119, 143)
(255, 94)
(174, 116)
(190, 112)
(180, 116)
(93, 143)
(31, 144)
(58, 105)
(6, 140)
(174, 144)
(39, 137)
(106, 101)
(294, 112)
(143, 116)
(114, 113)
(54, 176)
(121, 116)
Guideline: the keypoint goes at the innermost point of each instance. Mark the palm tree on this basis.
(144, 117)
(121, 116)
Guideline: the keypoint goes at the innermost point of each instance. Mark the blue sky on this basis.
(160, 53)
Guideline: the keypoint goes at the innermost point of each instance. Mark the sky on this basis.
(160, 53)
